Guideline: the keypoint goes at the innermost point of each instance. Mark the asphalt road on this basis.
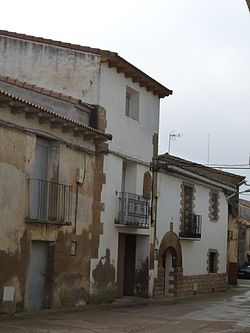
(226, 312)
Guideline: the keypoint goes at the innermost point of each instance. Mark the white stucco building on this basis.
(192, 226)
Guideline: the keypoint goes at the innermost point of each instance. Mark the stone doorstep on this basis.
(9, 307)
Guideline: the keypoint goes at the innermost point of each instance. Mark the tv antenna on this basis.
(172, 137)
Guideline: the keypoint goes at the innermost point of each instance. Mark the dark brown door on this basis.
(126, 265)
(129, 265)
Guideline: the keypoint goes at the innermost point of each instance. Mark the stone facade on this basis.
(190, 285)
(243, 225)
(200, 284)
(70, 245)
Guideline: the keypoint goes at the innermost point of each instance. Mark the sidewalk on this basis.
(227, 312)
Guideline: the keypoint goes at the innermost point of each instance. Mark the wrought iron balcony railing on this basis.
(134, 210)
(191, 226)
(50, 202)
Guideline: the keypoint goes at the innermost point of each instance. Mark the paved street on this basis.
(227, 312)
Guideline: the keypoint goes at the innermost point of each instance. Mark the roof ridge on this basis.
(58, 43)
(44, 91)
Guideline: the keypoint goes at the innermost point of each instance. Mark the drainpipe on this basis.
(80, 178)
(153, 254)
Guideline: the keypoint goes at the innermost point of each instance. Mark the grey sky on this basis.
(198, 48)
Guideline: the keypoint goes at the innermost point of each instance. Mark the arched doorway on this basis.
(169, 265)
(170, 272)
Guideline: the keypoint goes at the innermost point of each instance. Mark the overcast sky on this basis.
(198, 48)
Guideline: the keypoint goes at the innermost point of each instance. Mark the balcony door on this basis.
(188, 199)
(39, 186)
(129, 177)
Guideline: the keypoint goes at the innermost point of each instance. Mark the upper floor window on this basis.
(49, 200)
(188, 198)
(190, 226)
(214, 206)
(132, 103)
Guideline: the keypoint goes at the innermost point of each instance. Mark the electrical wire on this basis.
(37, 131)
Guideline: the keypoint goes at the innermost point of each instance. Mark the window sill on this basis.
(48, 222)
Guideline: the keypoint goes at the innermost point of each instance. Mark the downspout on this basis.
(153, 254)
(80, 178)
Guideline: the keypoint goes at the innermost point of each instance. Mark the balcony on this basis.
(134, 211)
(50, 202)
(191, 227)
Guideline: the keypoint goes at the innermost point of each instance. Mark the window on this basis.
(73, 248)
(214, 206)
(49, 200)
(129, 177)
(39, 181)
(188, 197)
(128, 101)
(132, 103)
(190, 222)
(212, 261)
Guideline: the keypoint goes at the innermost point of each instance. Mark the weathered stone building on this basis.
(51, 177)
(243, 232)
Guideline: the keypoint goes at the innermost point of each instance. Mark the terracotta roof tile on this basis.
(46, 91)
(54, 114)
(37, 89)
(54, 94)
(28, 86)
(226, 178)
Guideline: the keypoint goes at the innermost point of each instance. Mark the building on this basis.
(131, 99)
(233, 241)
(51, 178)
(192, 226)
(244, 232)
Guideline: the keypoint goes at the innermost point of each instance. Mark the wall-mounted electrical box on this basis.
(80, 176)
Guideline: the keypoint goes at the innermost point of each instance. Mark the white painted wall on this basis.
(130, 137)
(63, 70)
(83, 76)
(213, 234)
(142, 250)
(110, 196)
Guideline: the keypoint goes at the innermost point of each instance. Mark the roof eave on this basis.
(202, 178)
(137, 76)
(30, 109)
(238, 179)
